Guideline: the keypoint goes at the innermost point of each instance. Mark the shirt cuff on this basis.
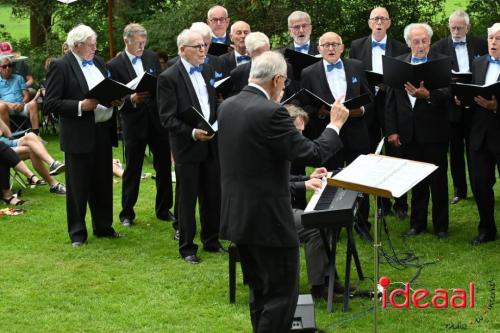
(333, 128)
(79, 108)
(192, 134)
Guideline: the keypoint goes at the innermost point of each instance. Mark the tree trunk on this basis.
(39, 26)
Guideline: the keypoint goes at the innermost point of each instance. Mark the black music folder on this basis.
(299, 61)
(224, 87)
(195, 118)
(435, 73)
(462, 77)
(374, 78)
(143, 83)
(218, 49)
(109, 90)
(466, 92)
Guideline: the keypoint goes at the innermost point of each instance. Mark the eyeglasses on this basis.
(7, 66)
(218, 19)
(90, 45)
(380, 18)
(300, 26)
(287, 80)
(199, 47)
(331, 45)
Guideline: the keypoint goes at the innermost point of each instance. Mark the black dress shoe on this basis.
(442, 234)
(192, 259)
(401, 213)
(127, 222)
(78, 244)
(112, 235)
(168, 218)
(413, 232)
(220, 250)
(482, 238)
(177, 235)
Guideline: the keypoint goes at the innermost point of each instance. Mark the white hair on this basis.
(134, 29)
(266, 66)
(298, 15)
(235, 23)
(209, 13)
(202, 28)
(412, 26)
(494, 29)
(255, 40)
(460, 14)
(79, 35)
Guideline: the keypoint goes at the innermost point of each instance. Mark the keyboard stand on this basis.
(330, 241)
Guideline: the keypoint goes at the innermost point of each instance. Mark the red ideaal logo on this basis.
(440, 297)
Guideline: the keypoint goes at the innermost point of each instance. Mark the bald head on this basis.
(239, 31)
(379, 22)
(331, 47)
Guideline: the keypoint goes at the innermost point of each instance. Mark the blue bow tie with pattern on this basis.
(242, 58)
(455, 44)
(377, 44)
(87, 62)
(304, 47)
(196, 69)
(220, 40)
(415, 60)
(493, 61)
(134, 60)
(330, 67)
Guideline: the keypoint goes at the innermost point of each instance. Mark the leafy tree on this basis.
(483, 13)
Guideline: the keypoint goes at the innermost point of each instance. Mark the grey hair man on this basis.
(257, 139)
(218, 20)
(300, 29)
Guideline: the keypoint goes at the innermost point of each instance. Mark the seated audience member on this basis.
(14, 96)
(20, 65)
(30, 146)
(314, 248)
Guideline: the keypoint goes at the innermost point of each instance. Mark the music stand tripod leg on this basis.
(331, 281)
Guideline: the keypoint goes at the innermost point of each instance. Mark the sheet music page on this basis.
(134, 82)
(218, 83)
(395, 175)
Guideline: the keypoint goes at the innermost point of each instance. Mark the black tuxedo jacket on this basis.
(354, 133)
(476, 47)
(257, 141)
(427, 122)
(485, 123)
(227, 62)
(66, 86)
(313, 48)
(137, 121)
(176, 95)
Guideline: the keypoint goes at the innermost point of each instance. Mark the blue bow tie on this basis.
(455, 44)
(87, 62)
(134, 60)
(304, 47)
(375, 44)
(330, 67)
(220, 40)
(493, 61)
(242, 58)
(196, 69)
(415, 60)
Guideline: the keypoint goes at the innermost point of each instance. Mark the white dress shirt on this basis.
(462, 56)
(492, 74)
(138, 68)
(336, 80)
(93, 76)
(377, 54)
(200, 89)
(295, 45)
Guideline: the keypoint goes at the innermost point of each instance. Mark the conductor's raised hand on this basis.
(202, 135)
(89, 104)
(338, 113)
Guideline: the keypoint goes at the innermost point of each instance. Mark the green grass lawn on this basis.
(18, 28)
(139, 283)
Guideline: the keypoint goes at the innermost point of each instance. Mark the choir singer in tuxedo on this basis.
(257, 141)
(186, 84)
(88, 131)
(417, 122)
(141, 126)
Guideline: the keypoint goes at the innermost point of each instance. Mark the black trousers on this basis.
(483, 164)
(436, 183)
(272, 275)
(459, 148)
(89, 180)
(314, 250)
(134, 155)
(200, 181)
